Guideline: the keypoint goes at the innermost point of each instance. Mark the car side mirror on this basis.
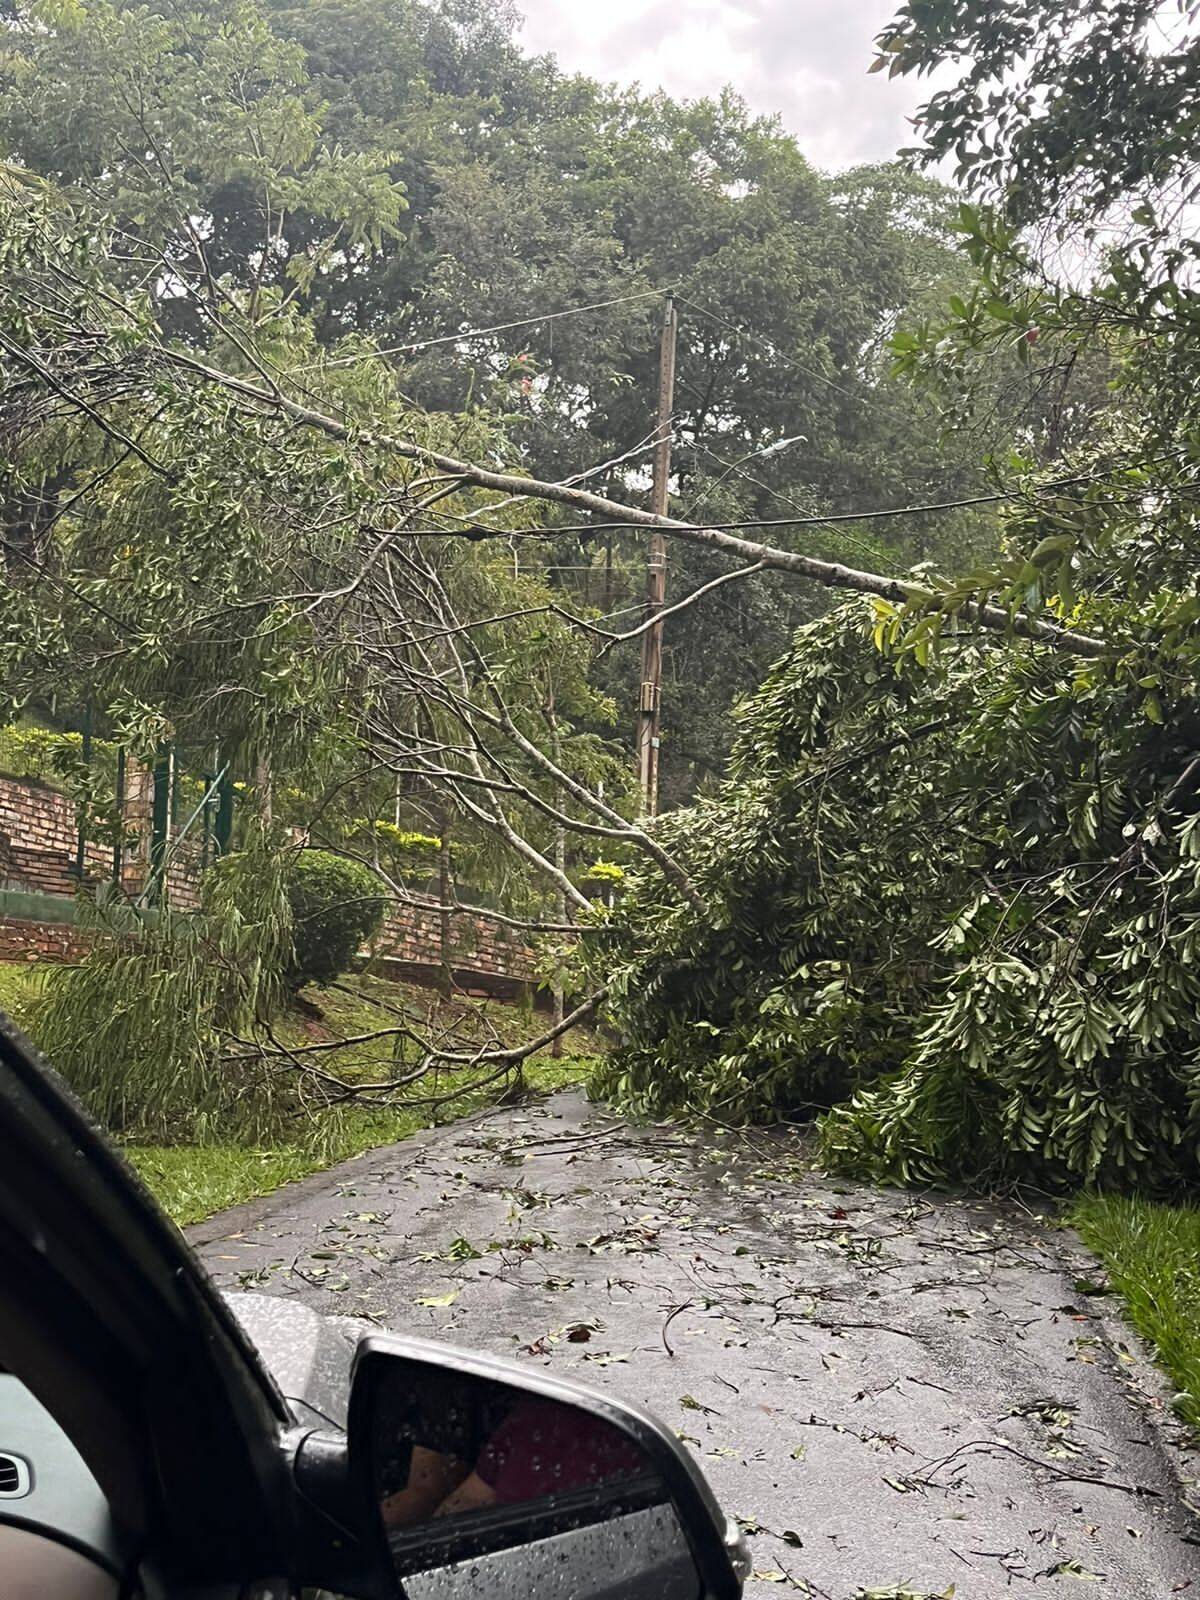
(478, 1476)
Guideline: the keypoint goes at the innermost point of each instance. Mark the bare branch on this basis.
(681, 605)
(502, 1056)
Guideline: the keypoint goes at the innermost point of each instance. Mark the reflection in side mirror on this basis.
(517, 1487)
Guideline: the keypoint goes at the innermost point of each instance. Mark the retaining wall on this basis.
(39, 878)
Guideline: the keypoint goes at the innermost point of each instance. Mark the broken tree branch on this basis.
(832, 574)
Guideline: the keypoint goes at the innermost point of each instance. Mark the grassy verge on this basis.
(18, 986)
(1152, 1253)
(192, 1181)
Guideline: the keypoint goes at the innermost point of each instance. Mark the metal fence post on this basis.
(223, 829)
(160, 825)
(81, 840)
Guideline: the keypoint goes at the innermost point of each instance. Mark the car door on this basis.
(110, 1322)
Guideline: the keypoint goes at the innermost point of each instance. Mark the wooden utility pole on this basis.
(650, 705)
(558, 994)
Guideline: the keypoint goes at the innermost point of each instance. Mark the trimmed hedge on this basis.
(337, 906)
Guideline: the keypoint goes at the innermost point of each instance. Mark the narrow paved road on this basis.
(891, 1391)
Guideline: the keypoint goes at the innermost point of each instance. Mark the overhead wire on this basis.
(742, 332)
(478, 531)
(737, 468)
(775, 353)
(499, 327)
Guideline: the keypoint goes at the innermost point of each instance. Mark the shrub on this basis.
(402, 841)
(337, 906)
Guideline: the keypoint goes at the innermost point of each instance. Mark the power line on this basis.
(874, 551)
(774, 353)
(500, 327)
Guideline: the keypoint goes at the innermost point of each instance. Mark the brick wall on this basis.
(412, 939)
(24, 940)
(38, 845)
(38, 840)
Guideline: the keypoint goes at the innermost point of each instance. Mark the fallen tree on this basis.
(958, 904)
(939, 811)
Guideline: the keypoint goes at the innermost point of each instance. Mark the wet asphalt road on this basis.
(892, 1392)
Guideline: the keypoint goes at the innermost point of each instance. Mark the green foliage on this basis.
(40, 753)
(1070, 105)
(962, 894)
(609, 874)
(140, 1028)
(985, 857)
(952, 880)
(198, 129)
(180, 619)
(404, 842)
(20, 988)
(798, 978)
(337, 907)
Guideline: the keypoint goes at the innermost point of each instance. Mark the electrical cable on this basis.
(775, 354)
(552, 530)
(500, 327)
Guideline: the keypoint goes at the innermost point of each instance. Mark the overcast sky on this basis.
(806, 59)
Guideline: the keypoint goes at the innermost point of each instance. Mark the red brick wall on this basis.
(21, 940)
(412, 934)
(38, 840)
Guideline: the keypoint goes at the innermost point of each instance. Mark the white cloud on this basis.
(805, 59)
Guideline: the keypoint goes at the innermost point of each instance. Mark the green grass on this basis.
(193, 1181)
(1152, 1253)
(19, 983)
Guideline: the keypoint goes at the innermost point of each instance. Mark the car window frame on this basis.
(95, 1255)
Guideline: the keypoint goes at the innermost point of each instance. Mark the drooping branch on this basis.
(692, 599)
(465, 708)
(435, 1055)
